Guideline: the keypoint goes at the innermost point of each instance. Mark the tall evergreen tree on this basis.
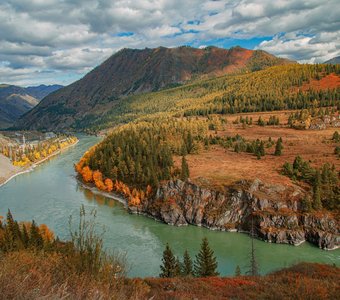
(36, 239)
(253, 268)
(317, 191)
(187, 269)
(169, 268)
(237, 271)
(278, 147)
(205, 263)
(185, 169)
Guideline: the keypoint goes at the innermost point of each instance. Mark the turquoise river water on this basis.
(51, 193)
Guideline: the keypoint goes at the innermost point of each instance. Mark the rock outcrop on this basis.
(274, 211)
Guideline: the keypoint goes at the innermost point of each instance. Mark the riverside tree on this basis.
(170, 266)
(205, 263)
(253, 268)
(185, 169)
(237, 271)
(186, 267)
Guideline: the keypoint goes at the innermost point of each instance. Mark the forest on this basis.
(23, 156)
(136, 157)
(275, 88)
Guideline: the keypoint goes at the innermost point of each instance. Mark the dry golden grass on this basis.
(29, 275)
(218, 166)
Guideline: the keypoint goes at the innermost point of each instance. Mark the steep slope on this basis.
(334, 60)
(15, 101)
(132, 71)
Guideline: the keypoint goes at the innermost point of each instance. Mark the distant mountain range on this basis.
(133, 71)
(15, 100)
(334, 60)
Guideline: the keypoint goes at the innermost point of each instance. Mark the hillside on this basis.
(334, 60)
(15, 101)
(132, 71)
(210, 154)
(291, 86)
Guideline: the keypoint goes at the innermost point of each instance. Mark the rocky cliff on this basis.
(275, 212)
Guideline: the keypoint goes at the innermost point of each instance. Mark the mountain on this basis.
(41, 91)
(334, 60)
(133, 71)
(15, 101)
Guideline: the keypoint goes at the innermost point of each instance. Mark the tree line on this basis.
(324, 183)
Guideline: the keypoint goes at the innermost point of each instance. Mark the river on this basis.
(50, 194)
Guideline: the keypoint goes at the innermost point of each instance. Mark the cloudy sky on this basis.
(58, 41)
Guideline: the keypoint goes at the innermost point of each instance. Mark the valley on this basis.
(172, 150)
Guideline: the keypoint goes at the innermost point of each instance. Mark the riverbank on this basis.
(276, 220)
(8, 171)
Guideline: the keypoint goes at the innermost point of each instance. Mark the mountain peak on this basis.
(133, 71)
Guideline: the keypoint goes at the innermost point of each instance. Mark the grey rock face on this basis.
(274, 210)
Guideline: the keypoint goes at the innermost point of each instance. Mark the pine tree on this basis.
(25, 236)
(36, 239)
(187, 269)
(336, 136)
(238, 271)
(261, 149)
(205, 264)
(317, 205)
(185, 169)
(253, 268)
(10, 233)
(306, 204)
(278, 147)
(169, 267)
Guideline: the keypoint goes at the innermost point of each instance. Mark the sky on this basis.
(59, 41)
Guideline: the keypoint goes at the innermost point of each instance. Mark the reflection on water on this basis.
(51, 194)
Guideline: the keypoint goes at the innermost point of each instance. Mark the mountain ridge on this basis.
(334, 60)
(135, 71)
(16, 100)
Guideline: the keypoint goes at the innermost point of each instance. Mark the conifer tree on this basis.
(36, 239)
(238, 271)
(187, 269)
(317, 191)
(278, 147)
(10, 232)
(253, 268)
(205, 263)
(25, 236)
(169, 268)
(306, 204)
(185, 169)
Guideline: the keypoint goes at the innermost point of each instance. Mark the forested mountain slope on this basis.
(280, 87)
(132, 71)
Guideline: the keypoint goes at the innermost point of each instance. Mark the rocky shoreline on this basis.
(274, 210)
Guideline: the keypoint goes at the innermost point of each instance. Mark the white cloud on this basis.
(302, 48)
(64, 39)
